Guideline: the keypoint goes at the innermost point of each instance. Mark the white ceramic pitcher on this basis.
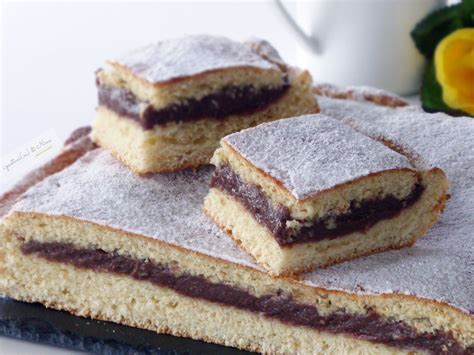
(359, 42)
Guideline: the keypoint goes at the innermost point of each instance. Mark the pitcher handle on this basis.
(309, 41)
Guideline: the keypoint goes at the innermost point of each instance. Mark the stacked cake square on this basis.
(217, 253)
(310, 191)
(165, 106)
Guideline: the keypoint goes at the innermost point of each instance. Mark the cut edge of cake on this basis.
(258, 242)
(150, 305)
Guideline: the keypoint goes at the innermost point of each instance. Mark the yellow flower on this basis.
(454, 63)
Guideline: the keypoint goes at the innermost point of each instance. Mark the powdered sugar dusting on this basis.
(191, 55)
(167, 207)
(441, 265)
(313, 153)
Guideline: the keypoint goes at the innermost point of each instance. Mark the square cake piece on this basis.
(164, 107)
(310, 191)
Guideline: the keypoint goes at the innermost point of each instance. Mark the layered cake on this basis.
(165, 106)
(310, 191)
(98, 241)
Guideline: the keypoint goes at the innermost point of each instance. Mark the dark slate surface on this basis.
(34, 322)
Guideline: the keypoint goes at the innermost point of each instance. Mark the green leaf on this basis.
(432, 94)
(467, 13)
(433, 28)
(431, 91)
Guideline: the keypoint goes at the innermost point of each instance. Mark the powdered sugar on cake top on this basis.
(312, 153)
(187, 56)
(435, 139)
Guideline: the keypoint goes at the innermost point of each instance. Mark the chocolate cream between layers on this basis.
(360, 217)
(371, 326)
(229, 100)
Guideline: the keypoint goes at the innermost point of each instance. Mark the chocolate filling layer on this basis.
(371, 326)
(227, 101)
(360, 216)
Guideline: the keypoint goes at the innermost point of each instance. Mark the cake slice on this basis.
(310, 191)
(98, 241)
(165, 106)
